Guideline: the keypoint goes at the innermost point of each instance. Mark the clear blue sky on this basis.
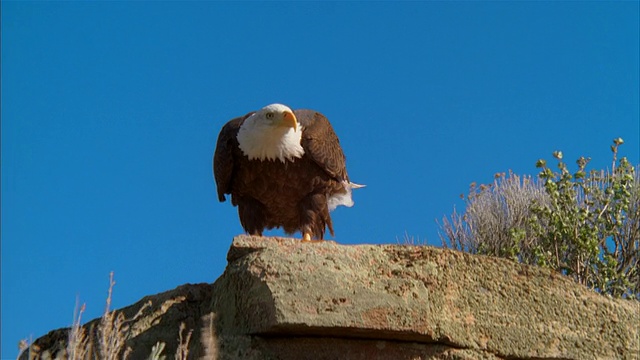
(111, 110)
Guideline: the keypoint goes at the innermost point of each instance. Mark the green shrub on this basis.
(584, 224)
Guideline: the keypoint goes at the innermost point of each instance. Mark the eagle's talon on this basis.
(306, 238)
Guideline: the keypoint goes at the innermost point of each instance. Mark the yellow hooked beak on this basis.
(289, 120)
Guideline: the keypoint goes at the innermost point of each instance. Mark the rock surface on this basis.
(282, 299)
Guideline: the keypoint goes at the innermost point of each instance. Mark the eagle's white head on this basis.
(271, 133)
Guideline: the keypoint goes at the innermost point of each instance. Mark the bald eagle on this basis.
(283, 168)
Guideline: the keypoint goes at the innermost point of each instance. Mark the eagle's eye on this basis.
(269, 115)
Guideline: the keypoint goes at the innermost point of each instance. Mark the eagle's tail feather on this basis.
(356, 186)
(343, 198)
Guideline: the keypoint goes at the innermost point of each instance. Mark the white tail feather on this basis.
(344, 198)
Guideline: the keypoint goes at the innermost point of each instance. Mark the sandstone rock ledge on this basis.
(281, 299)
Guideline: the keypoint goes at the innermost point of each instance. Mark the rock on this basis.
(282, 299)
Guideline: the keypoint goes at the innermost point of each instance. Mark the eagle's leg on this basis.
(314, 214)
(252, 216)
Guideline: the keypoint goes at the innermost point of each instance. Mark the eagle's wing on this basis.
(224, 158)
(321, 143)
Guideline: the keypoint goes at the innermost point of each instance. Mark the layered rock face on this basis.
(282, 299)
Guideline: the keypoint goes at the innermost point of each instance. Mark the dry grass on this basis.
(182, 352)
(112, 330)
(410, 240)
(209, 337)
(107, 341)
(584, 225)
(78, 346)
(493, 214)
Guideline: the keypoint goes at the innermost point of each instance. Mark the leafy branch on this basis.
(584, 224)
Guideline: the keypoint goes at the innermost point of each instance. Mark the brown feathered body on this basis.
(293, 194)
